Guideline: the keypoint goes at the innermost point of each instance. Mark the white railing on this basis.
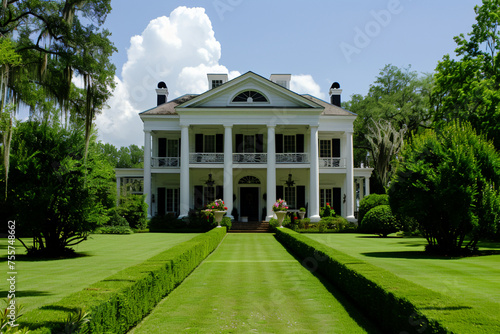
(250, 158)
(286, 158)
(332, 163)
(206, 158)
(165, 162)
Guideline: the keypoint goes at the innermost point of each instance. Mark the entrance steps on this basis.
(250, 227)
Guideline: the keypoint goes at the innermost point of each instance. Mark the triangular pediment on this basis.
(250, 91)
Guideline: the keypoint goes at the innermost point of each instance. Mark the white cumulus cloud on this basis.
(305, 84)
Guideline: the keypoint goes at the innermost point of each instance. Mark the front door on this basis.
(249, 203)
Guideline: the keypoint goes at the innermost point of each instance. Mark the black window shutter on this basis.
(219, 143)
(279, 192)
(239, 143)
(198, 143)
(336, 147)
(337, 200)
(162, 147)
(219, 192)
(301, 197)
(161, 200)
(260, 143)
(299, 142)
(279, 143)
(198, 197)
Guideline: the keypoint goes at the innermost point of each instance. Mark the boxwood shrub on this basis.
(380, 220)
(369, 202)
(122, 300)
(397, 305)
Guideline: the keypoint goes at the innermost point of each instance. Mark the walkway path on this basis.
(251, 284)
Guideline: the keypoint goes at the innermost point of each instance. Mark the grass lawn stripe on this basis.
(473, 280)
(40, 282)
(252, 284)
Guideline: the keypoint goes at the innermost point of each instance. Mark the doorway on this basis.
(249, 203)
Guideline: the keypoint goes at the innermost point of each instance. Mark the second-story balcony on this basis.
(206, 158)
(250, 158)
(165, 162)
(332, 163)
(291, 158)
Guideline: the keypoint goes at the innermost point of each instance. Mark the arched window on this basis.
(249, 180)
(250, 96)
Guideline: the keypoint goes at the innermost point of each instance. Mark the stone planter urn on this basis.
(218, 216)
(302, 214)
(280, 215)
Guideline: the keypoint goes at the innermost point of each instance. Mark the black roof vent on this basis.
(335, 93)
(161, 93)
(161, 84)
(335, 85)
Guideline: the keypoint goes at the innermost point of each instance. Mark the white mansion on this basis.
(248, 141)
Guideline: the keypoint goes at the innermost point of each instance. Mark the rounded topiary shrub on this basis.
(380, 220)
(369, 202)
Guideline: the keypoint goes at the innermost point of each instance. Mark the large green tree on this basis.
(468, 87)
(55, 197)
(448, 181)
(397, 105)
(59, 41)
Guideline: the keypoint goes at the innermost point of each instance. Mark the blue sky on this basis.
(318, 42)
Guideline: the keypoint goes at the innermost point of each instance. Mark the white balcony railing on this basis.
(250, 158)
(286, 158)
(332, 163)
(165, 162)
(206, 158)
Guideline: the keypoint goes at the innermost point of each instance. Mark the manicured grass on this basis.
(475, 281)
(40, 282)
(252, 284)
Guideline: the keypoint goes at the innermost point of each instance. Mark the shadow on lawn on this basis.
(425, 256)
(28, 293)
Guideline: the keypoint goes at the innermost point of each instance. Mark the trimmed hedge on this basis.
(397, 305)
(122, 300)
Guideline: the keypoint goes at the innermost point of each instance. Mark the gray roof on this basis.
(169, 107)
(330, 109)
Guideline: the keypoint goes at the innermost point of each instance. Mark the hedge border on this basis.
(122, 300)
(395, 304)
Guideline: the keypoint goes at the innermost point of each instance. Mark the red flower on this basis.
(327, 204)
(225, 208)
(213, 207)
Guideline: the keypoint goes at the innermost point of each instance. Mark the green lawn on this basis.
(46, 281)
(252, 284)
(473, 280)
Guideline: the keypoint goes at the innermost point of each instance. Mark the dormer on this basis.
(281, 79)
(216, 79)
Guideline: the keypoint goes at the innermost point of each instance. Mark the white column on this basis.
(271, 170)
(184, 203)
(349, 178)
(367, 186)
(228, 169)
(314, 177)
(118, 190)
(147, 169)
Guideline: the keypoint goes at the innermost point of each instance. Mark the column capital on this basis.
(228, 126)
(273, 126)
(184, 126)
(147, 131)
